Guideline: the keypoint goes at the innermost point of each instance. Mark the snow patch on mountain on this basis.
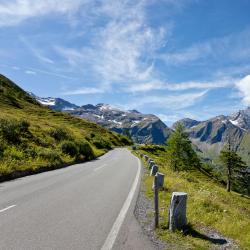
(47, 101)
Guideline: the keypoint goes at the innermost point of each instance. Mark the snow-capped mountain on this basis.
(241, 119)
(212, 135)
(55, 103)
(143, 128)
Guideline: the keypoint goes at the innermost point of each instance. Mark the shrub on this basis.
(102, 144)
(51, 156)
(69, 148)
(2, 147)
(60, 134)
(126, 141)
(13, 153)
(30, 152)
(86, 150)
(12, 130)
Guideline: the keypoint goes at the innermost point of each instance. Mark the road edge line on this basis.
(110, 240)
(7, 208)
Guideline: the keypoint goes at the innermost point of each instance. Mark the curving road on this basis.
(85, 206)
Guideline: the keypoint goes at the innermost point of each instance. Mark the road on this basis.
(84, 206)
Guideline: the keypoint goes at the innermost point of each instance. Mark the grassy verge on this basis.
(210, 207)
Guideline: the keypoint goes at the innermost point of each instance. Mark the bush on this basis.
(126, 141)
(86, 150)
(69, 148)
(2, 147)
(12, 130)
(60, 134)
(13, 153)
(102, 144)
(51, 156)
(30, 152)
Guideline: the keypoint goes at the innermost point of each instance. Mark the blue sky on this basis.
(173, 58)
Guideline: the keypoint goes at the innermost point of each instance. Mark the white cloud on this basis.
(14, 12)
(169, 118)
(244, 87)
(174, 102)
(192, 53)
(232, 47)
(182, 86)
(36, 52)
(122, 49)
(30, 72)
(84, 91)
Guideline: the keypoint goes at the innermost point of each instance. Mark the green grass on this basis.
(210, 207)
(33, 137)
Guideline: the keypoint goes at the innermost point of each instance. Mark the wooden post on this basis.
(177, 211)
(156, 202)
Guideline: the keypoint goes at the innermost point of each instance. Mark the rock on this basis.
(177, 211)
(154, 170)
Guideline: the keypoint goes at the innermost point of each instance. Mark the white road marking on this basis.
(108, 244)
(102, 166)
(7, 208)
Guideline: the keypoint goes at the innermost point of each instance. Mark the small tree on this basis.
(233, 165)
(180, 152)
(126, 133)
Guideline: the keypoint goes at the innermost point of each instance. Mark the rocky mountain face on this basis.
(212, 135)
(143, 128)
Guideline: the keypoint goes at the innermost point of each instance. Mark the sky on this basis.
(172, 58)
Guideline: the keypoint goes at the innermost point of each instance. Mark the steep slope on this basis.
(33, 137)
(143, 128)
(210, 208)
(212, 135)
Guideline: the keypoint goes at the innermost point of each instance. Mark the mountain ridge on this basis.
(212, 135)
(143, 128)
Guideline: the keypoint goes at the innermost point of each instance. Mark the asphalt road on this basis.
(84, 206)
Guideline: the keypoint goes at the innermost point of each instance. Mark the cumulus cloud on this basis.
(244, 87)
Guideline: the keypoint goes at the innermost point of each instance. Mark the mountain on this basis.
(212, 135)
(187, 122)
(143, 128)
(35, 138)
(57, 104)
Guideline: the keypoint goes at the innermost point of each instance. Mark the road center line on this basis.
(7, 208)
(102, 166)
(108, 244)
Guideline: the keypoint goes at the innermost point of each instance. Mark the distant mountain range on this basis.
(143, 128)
(209, 136)
(212, 135)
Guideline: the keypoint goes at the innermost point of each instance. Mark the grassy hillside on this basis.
(33, 137)
(210, 208)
